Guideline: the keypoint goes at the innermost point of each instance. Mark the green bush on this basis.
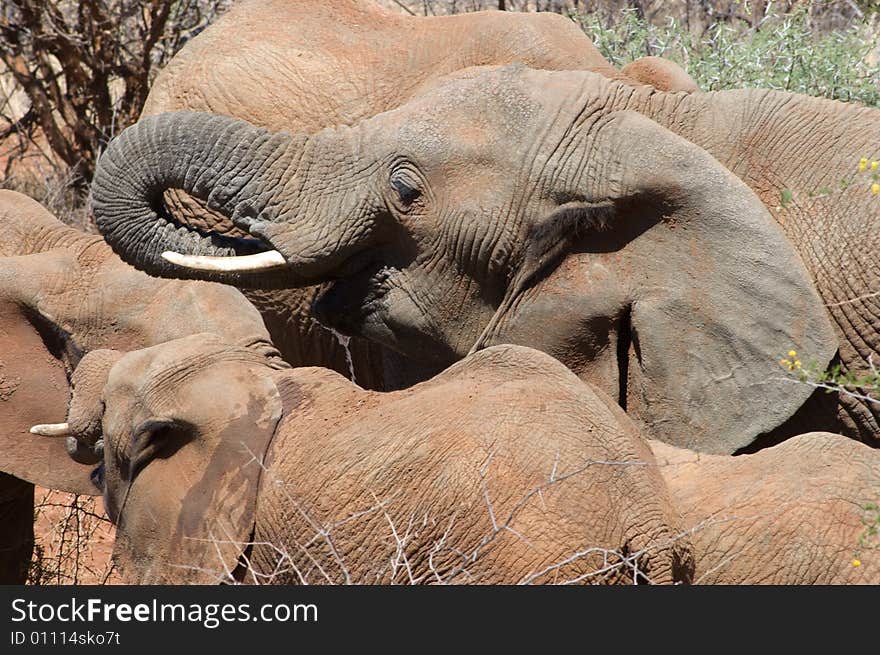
(783, 53)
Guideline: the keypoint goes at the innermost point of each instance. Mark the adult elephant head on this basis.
(306, 65)
(504, 205)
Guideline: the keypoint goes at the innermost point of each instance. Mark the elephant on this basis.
(305, 65)
(797, 513)
(506, 205)
(221, 469)
(504, 468)
(63, 294)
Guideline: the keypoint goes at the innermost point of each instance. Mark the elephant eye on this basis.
(150, 439)
(406, 188)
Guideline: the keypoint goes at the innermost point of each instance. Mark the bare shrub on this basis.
(73, 539)
(85, 68)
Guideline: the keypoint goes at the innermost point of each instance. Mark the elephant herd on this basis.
(399, 300)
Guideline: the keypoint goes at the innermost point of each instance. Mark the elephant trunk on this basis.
(240, 171)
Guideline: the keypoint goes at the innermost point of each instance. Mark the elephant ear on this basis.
(701, 289)
(188, 515)
(716, 293)
(34, 389)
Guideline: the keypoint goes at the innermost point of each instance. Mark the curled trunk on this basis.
(223, 161)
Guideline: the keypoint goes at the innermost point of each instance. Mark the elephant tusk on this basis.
(259, 262)
(51, 429)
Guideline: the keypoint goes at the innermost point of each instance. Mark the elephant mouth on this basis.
(356, 287)
(355, 296)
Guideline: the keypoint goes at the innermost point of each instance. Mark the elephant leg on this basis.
(16, 528)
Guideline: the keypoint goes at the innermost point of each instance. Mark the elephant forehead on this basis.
(477, 107)
(150, 373)
(501, 115)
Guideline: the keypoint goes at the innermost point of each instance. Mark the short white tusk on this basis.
(51, 429)
(259, 262)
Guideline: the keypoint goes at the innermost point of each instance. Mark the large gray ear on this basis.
(189, 514)
(34, 390)
(716, 292)
(699, 289)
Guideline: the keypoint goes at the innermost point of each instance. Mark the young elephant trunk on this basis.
(244, 172)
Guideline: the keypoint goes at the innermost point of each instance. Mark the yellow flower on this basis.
(875, 188)
(857, 562)
(784, 362)
(792, 353)
(874, 165)
(863, 163)
(797, 363)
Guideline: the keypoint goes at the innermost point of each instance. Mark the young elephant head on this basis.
(181, 423)
(501, 206)
(505, 468)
